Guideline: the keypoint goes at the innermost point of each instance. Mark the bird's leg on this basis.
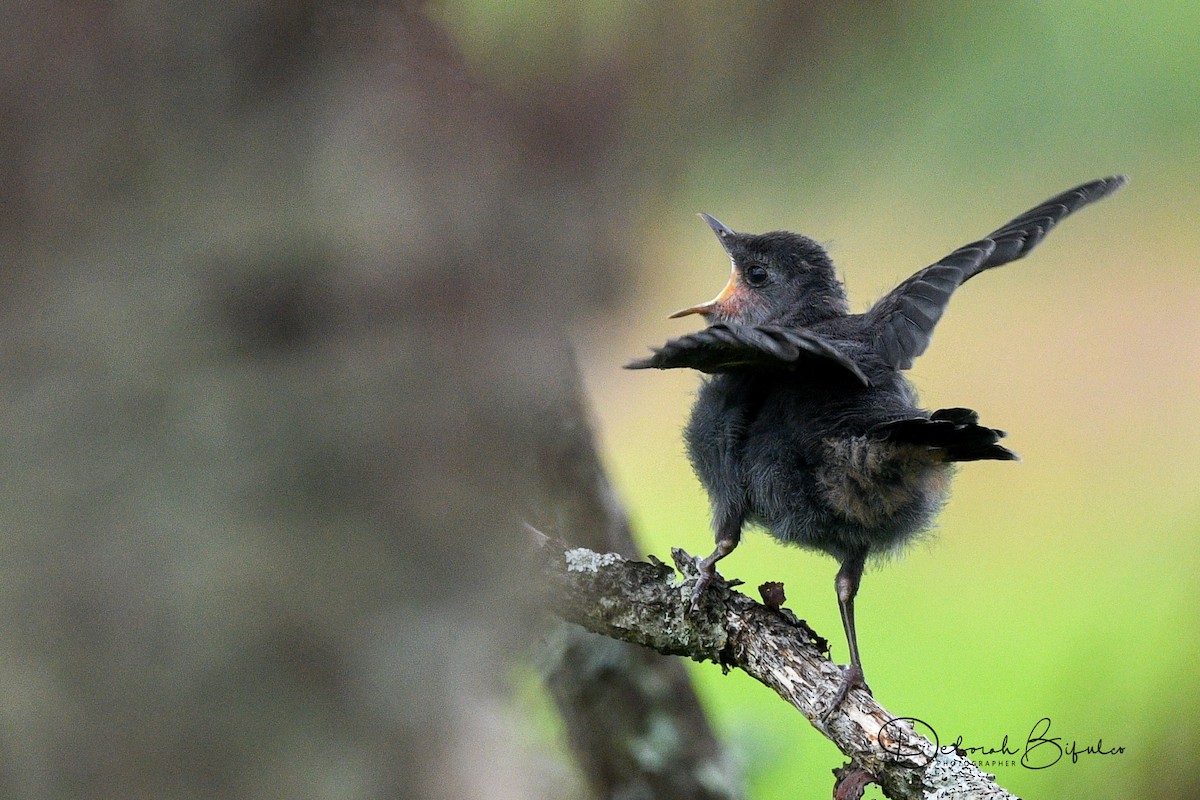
(846, 583)
(729, 533)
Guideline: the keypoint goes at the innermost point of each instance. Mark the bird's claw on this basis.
(707, 573)
(852, 678)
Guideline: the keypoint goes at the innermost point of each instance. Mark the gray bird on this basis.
(807, 427)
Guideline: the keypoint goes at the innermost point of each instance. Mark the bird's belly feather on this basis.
(837, 493)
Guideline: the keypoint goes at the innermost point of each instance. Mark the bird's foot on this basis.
(708, 571)
(852, 678)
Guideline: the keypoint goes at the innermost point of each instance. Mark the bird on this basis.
(806, 426)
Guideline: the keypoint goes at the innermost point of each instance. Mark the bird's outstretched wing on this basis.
(730, 347)
(904, 319)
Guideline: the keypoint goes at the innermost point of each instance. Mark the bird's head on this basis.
(778, 277)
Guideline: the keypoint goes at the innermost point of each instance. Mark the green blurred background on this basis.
(1063, 586)
(281, 361)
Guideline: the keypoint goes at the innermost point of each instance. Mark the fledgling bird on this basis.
(807, 426)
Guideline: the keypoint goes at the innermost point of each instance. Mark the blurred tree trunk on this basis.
(632, 716)
(282, 344)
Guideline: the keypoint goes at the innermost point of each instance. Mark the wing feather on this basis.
(904, 319)
(730, 347)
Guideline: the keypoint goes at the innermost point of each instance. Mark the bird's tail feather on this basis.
(954, 432)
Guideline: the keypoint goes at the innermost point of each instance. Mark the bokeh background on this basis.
(1063, 586)
(282, 335)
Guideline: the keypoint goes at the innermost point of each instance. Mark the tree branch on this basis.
(642, 602)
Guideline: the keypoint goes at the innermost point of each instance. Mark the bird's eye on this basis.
(756, 275)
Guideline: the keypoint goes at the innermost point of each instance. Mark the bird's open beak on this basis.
(712, 306)
(724, 234)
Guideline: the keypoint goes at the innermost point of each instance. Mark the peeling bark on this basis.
(643, 602)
